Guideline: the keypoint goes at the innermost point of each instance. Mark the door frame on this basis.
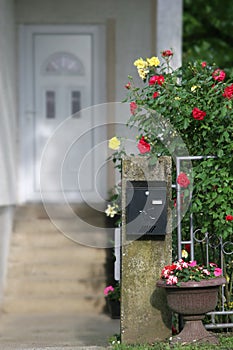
(26, 93)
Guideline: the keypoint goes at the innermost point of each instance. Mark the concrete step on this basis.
(94, 215)
(72, 255)
(54, 270)
(48, 271)
(34, 226)
(43, 239)
(79, 232)
(55, 331)
(59, 304)
(54, 287)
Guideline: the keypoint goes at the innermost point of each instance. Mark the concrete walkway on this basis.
(56, 331)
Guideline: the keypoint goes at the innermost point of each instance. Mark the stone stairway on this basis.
(48, 272)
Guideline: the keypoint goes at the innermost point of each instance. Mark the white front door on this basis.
(62, 74)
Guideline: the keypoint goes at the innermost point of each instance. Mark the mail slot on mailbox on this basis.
(146, 210)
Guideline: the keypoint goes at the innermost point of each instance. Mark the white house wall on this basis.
(129, 21)
(7, 130)
(7, 103)
(128, 27)
(133, 29)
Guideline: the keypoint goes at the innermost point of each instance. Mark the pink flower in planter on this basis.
(172, 280)
(192, 263)
(217, 272)
(206, 272)
(213, 264)
(108, 289)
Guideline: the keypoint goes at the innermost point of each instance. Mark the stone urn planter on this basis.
(192, 300)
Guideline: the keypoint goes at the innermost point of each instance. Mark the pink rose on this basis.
(143, 146)
(219, 75)
(203, 64)
(133, 107)
(183, 180)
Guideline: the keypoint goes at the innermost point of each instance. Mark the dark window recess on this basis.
(75, 102)
(50, 104)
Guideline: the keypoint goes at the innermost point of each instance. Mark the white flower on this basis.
(111, 210)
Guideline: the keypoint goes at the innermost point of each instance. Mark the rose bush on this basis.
(197, 100)
(194, 102)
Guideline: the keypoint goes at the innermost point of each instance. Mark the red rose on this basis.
(203, 64)
(167, 53)
(229, 217)
(159, 79)
(174, 330)
(228, 92)
(143, 146)
(155, 94)
(219, 75)
(128, 86)
(153, 80)
(198, 114)
(133, 107)
(183, 180)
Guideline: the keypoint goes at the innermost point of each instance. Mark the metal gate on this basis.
(208, 247)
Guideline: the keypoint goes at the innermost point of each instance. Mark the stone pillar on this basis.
(145, 317)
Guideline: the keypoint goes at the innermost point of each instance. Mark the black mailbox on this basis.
(146, 210)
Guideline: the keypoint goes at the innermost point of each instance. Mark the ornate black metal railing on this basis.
(207, 247)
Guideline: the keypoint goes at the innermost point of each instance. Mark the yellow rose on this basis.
(177, 98)
(153, 61)
(140, 63)
(114, 143)
(184, 254)
(143, 73)
(194, 87)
